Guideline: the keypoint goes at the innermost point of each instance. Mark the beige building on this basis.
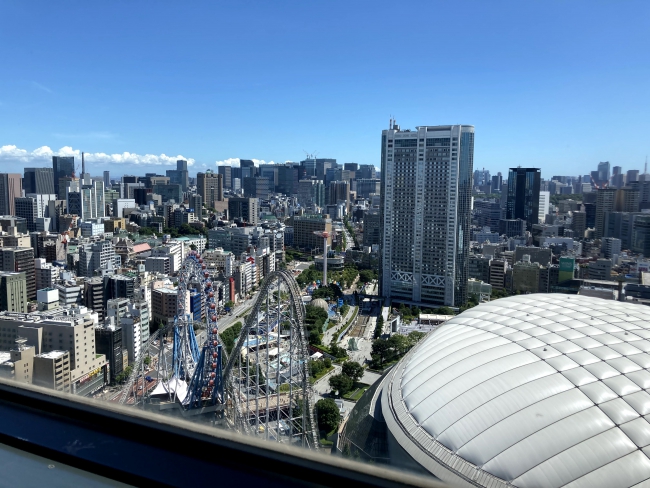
(304, 228)
(52, 370)
(210, 186)
(69, 329)
(164, 306)
(18, 364)
(13, 292)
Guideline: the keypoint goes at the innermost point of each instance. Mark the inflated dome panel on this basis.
(535, 390)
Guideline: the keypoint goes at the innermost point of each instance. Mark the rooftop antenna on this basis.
(83, 165)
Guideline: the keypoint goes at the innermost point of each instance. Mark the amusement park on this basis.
(261, 388)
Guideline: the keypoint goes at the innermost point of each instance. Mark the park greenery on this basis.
(350, 375)
(315, 317)
(331, 292)
(124, 375)
(386, 351)
(327, 413)
(318, 369)
(230, 335)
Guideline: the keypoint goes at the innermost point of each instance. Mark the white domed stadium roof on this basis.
(532, 390)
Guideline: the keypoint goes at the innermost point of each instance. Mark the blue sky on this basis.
(555, 84)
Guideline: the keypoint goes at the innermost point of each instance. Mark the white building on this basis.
(173, 250)
(121, 204)
(223, 261)
(427, 183)
(85, 198)
(90, 229)
(544, 205)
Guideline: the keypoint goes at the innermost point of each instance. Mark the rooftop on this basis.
(526, 388)
(52, 354)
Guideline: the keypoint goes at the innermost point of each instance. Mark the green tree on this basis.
(379, 327)
(381, 349)
(414, 337)
(342, 383)
(147, 360)
(353, 370)
(367, 275)
(193, 247)
(399, 344)
(230, 335)
(229, 304)
(327, 413)
(327, 362)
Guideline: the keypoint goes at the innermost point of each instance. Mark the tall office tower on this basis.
(256, 187)
(322, 165)
(311, 192)
(309, 167)
(627, 199)
(20, 259)
(365, 187)
(179, 176)
(523, 195)
(226, 173)
(270, 171)
(603, 171)
(579, 225)
(210, 186)
(632, 175)
(425, 199)
(605, 202)
(107, 179)
(34, 207)
(11, 187)
(86, 199)
(142, 195)
(39, 180)
(196, 205)
(339, 192)
(288, 177)
(366, 172)
(244, 209)
(617, 177)
(496, 183)
(247, 168)
(62, 167)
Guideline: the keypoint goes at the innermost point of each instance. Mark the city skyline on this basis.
(542, 90)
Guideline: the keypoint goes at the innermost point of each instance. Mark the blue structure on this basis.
(200, 367)
(195, 305)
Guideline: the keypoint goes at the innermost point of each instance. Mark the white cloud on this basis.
(235, 162)
(10, 153)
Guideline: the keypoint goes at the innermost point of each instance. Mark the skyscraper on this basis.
(605, 202)
(11, 187)
(523, 195)
(62, 167)
(425, 200)
(107, 179)
(39, 180)
(603, 171)
(226, 173)
(179, 176)
(210, 186)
